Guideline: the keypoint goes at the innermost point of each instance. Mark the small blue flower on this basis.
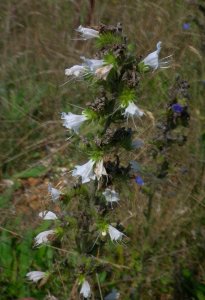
(186, 26)
(139, 180)
(177, 108)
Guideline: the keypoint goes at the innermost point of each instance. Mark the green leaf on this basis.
(200, 295)
(127, 96)
(6, 254)
(37, 171)
(108, 39)
(4, 200)
(110, 60)
(102, 276)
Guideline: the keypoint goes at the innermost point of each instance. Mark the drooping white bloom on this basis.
(98, 67)
(111, 196)
(72, 121)
(87, 33)
(85, 171)
(102, 72)
(93, 64)
(35, 276)
(115, 234)
(47, 215)
(100, 170)
(85, 289)
(76, 71)
(42, 237)
(55, 194)
(133, 110)
(152, 60)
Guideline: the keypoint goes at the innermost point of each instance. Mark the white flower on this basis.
(87, 33)
(97, 66)
(85, 171)
(100, 170)
(47, 215)
(102, 72)
(115, 234)
(133, 110)
(55, 194)
(111, 196)
(85, 289)
(42, 237)
(152, 60)
(93, 64)
(72, 121)
(76, 71)
(36, 275)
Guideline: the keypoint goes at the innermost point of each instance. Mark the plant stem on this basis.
(101, 296)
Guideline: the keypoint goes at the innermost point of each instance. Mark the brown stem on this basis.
(91, 12)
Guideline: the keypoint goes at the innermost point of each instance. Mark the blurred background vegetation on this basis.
(37, 44)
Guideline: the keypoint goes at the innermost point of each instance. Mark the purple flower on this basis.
(186, 26)
(139, 180)
(177, 108)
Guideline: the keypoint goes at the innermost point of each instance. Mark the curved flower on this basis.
(85, 171)
(43, 237)
(87, 33)
(47, 215)
(35, 276)
(100, 170)
(72, 121)
(55, 194)
(177, 108)
(97, 66)
(93, 64)
(152, 60)
(115, 234)
(85, 289)
(186, 26)
(76, 71)
(111, 196)
(139, 180)
(133, 110)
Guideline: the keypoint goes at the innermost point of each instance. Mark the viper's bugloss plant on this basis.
(108, 174)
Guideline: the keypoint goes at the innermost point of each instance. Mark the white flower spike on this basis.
(76, 71)
(111, 196)
(133, 110)
(72, 121)
(115, 234)
(87, 33)
(152, 60)
(85, 171)
(43, 237)
(100, 170)
(35, 276)
(55, 194)
(85, 289)
(47, 215)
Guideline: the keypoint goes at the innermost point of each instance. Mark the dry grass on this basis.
(36, 46)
